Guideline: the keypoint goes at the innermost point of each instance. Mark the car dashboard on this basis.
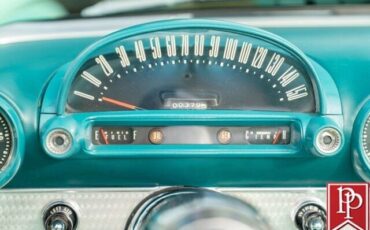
(115, 123)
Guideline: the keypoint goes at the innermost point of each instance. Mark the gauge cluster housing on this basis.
(80, 124)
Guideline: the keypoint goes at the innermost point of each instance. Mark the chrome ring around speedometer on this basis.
(11, 141)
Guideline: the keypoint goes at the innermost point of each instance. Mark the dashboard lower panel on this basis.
(110, 208)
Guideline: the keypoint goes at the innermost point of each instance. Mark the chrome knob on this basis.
(316, 223)
(328, 141)
(60, 216)
(194, 209)
(58, 142)
(58, 225)
(310, 215)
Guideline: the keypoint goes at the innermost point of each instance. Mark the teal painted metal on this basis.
(347, 64)
(10, 113)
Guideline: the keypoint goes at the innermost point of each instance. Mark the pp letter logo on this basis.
(348, 206)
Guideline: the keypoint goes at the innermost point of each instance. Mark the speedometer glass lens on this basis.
(193, 69)
(6, 142)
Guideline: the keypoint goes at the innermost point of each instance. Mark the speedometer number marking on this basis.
(199, 45)
(90, 78)
(288, 76)
(245, 52)
(84, 95)
(124, 60)
(296, 93)
(156, 47)
(259, 57)
(140, 52)
(215, 46)
(275, 63)
(185, 45)
(107, 69)
(230, 49)
(171, 45)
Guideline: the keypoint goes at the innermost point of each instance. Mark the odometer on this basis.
(193, 69)
(6, 142)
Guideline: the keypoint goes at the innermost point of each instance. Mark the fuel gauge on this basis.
(113, 135)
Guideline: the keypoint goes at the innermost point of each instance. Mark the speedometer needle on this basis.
(120, 103)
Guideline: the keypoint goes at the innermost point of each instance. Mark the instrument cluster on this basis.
(177, 86)
(187, 105)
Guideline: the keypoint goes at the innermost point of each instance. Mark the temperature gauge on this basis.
(268, 135)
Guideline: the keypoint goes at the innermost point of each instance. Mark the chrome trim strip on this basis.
(151, 189)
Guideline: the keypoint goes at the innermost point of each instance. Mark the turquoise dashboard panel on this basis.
(35, 80)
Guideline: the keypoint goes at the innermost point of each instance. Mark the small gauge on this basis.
(6, 142)
(361, 138)
(366, 137)
(113, 135)
(268, 135)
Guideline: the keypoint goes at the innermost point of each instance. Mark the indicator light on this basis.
(224, 136)
(156, 136)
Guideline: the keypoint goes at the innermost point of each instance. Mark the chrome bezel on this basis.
(71, 204)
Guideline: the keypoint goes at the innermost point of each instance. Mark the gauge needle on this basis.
(120, 103)
(105, 138)
(277, 137)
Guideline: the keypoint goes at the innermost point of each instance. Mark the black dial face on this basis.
(366, 137)
(6, 142)
(193, 70)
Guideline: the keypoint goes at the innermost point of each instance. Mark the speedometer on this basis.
(192, 69)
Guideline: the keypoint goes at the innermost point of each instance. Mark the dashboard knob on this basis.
(58, 142)
(310, 215)
(328, 141)
(60, 216)
(191, 208)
